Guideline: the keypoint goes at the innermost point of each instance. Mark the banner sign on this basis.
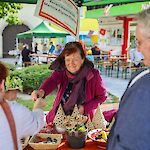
(63, 13)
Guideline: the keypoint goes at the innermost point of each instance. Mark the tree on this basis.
(8, 11)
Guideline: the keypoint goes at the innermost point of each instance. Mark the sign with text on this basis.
(63, 13)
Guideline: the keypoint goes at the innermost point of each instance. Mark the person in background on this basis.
(131, 128)
(45, 49)
(96, 52)
(52, 48)
(95, 49)
(27, 122)
(89, 56)
(136, 57)
(77, 80)
(58, 50)
(36, 48)
(26, 54)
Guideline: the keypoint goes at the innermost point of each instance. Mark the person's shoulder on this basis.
(137, 72)
(59, 73)
(95, 72)
(19, 108)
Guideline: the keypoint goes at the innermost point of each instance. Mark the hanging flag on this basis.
(102, 31)
(90, 33)
(107, 9)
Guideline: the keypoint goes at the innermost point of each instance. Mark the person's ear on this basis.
(83, 60)
(2, 86)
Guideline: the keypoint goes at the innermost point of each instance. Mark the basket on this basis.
(45, 146)
(25, 143)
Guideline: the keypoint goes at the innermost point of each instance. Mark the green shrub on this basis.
(111, 99)
(11, 67)
(12, 83)
(32, 76)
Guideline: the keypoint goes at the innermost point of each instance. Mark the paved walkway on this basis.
(116, 86)
(8, 60)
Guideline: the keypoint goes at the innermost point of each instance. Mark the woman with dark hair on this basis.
(77, 81)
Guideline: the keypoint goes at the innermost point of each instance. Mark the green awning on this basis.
(126, 9)
(42, 30)
(21, 1)
(84, 3)
(106, 2)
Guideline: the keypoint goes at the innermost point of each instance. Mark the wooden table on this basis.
(48, 57)
(117, 59)
(90, 145)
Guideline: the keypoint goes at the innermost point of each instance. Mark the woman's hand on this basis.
(37, 94)
(81, 109)
(39, 103)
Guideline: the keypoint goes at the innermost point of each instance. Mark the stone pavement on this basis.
(116, 86)
(8, 60)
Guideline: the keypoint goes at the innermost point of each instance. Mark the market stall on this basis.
(43, 30)
(73, 131)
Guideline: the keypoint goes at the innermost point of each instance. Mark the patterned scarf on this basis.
(78, 90)
(77, 95)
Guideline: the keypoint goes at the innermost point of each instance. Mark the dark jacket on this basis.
(26, 55)
(131, 130)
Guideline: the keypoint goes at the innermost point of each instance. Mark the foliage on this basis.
(32, 76)
(29, 103)
(10, 67)
(13, 20)
(111, 99)
(13, 82)
(9, 12)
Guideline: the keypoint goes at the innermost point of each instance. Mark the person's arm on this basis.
(47, 86)
(100, 94)
(39, 104)
(29, 122)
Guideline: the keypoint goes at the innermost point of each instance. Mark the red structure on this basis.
(125, 33)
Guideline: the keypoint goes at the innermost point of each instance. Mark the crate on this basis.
(45, 146)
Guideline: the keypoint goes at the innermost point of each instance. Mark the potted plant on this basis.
(76, 136)
(74, 127)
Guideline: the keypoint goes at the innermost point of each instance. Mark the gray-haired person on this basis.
(131, 130)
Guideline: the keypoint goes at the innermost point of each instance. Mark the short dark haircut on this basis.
(3, 72)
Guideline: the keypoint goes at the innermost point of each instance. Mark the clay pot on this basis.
(76, 140)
